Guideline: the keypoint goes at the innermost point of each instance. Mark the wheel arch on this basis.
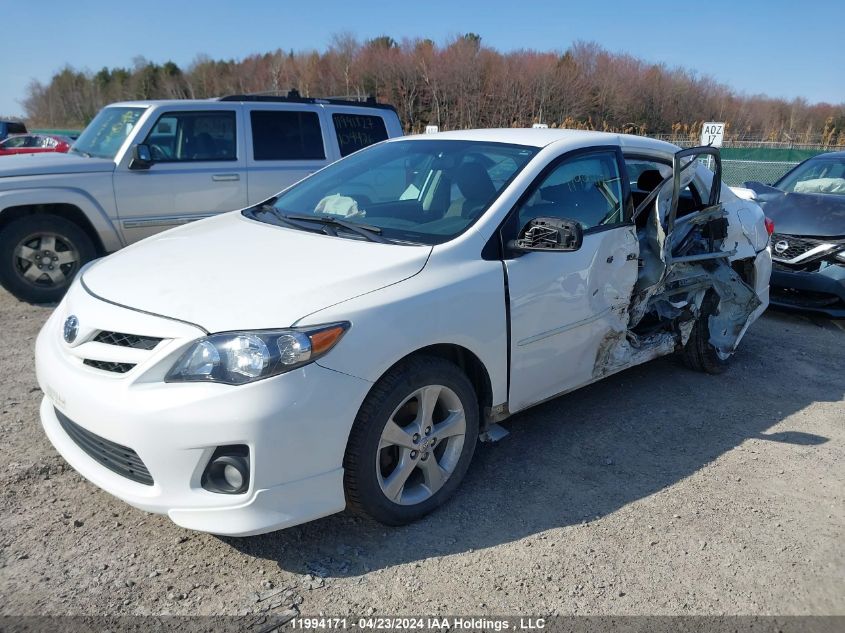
(63, 210)
(76, 205)
(469, 363)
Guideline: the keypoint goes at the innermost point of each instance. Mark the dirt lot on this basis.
(657, 491)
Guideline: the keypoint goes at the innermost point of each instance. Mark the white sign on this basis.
(712, 134)
(431, 129)
(540, 126)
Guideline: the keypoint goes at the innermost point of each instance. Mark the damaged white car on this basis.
(348, 342)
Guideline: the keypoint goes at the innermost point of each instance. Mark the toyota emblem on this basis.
(781, 246)
(71, 329)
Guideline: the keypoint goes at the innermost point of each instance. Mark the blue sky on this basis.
(779, 48)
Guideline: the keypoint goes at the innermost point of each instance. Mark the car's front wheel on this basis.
(412, 441)
(39, 256)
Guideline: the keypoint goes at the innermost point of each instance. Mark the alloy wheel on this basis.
(421, 445)
(46, 259)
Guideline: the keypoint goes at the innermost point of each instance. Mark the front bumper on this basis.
(822, 292)
(296, 426)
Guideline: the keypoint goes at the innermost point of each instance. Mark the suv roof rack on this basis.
(293, 96)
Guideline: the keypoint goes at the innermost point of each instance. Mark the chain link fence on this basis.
(762, 161)
(736, 172)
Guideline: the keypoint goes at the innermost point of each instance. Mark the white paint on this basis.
(230, 273)
(712, 133)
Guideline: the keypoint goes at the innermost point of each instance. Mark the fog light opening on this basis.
(227, 471)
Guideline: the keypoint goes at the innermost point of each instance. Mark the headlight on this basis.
(235, 358)
(840, 256)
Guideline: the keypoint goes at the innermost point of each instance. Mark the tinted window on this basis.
(286, 135)
(425, 191)
(584, 188)
(193, 136)
(357, 131)
(16, 128)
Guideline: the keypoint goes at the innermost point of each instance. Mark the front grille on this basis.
(105, 365)
(796, 246)
(119, 459)
(127, 340)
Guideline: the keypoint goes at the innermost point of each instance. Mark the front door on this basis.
(565, 306)
(198, 171)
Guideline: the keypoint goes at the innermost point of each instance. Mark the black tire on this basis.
(699, 354)
(69, 240)
(364, 493)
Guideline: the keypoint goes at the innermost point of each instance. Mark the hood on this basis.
(807, 214)
(232, 273)
(51, 163)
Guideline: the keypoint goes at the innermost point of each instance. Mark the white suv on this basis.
(142, 167)
(348, 341)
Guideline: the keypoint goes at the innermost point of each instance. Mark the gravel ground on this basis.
(656, 491)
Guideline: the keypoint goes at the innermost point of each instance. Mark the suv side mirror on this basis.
(142, 157)
(548, 234)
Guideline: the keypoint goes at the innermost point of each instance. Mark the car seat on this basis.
(475, 186)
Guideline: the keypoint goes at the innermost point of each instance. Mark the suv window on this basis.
(286, 135)
(585, 188)
(15, 128)
(357, 131)
(193, 136)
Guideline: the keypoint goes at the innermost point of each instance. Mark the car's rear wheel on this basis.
(40, 255)
(699, 354)
(412, 441)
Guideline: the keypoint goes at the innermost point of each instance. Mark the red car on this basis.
(34, 144)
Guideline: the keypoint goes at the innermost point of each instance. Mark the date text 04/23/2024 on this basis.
(385, 623)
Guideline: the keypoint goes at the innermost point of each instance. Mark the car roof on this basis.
(541, 137)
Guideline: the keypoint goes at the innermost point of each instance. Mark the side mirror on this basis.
(142, 157)
(548, 234)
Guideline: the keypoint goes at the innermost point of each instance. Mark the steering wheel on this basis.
(157, 152)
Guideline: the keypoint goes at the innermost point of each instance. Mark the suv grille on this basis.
(127, 340)
(796, 246)
(120, 368)
(119, 459)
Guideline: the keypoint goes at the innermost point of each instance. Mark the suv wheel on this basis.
(40, 255)
(412, 441)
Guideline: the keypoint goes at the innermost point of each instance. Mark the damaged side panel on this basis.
(689, 267)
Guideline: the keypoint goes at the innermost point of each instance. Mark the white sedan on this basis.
(349, 341)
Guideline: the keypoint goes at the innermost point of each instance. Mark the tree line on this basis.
(459, 84)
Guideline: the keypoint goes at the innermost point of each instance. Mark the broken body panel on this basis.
(634, 292)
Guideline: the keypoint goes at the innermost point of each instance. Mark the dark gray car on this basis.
(807, 206)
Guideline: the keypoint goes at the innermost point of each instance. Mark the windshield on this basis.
(820, 175)
(106, 133)
(423, 191)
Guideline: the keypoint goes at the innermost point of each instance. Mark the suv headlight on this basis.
(236, 358)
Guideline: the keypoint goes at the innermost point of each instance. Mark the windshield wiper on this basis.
(369, 232)
(80, 152)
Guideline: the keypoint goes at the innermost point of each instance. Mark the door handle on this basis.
(225, 177)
